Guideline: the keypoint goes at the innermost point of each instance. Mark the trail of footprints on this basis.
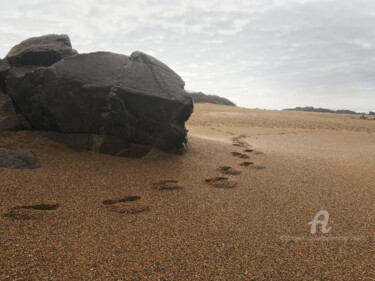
(225, 182)
(134, 204)
(123, 205)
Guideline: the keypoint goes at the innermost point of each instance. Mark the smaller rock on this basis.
(44, 51)
(18, 159)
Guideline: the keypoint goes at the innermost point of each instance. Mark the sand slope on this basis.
(219, 217)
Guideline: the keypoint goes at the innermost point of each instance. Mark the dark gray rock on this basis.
(18, 159)
(44, 50)
(138, 98)
(154, 94)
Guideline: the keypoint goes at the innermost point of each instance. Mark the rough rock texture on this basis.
(4, 69)
(2, 82)
(10, 119)
(136, 98)
(45, 51)
(18, 159)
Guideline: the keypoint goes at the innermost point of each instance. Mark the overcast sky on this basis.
(270, 54)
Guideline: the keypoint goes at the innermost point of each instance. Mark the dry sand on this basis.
(218, 216)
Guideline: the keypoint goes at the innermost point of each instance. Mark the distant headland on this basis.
(340, 111)
(199, 97)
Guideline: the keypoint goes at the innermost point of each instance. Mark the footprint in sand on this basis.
(252, 165)
(166, 185)
(249, 150)
(240, 143)
(125, 205)
(30, 212)
(229, 170)
(246, 163)
(240, 155)
(221, 182)
(239, 137)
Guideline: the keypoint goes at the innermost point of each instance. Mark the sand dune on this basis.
(236, 206)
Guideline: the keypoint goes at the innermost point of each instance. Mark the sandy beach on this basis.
(235, 206)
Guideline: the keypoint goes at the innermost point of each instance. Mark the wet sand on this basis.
(236, 206)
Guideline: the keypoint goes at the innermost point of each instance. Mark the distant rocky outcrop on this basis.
(136, 98)
(363, 117)
(199, 97)
(313, 109)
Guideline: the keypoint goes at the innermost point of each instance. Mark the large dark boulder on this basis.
(136, 98)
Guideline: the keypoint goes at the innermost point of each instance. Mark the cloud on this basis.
(260, 53)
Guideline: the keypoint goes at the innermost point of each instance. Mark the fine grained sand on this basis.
(208, 215)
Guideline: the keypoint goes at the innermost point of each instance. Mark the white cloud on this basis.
(260, 53)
